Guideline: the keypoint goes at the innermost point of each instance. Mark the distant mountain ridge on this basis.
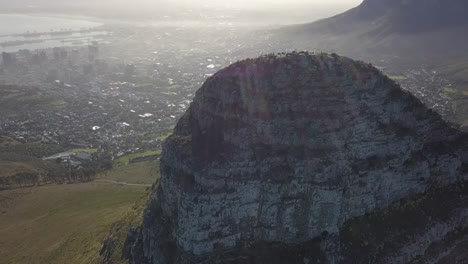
(437, 24)
(412, 16)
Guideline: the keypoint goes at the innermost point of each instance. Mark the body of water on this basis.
(39, 32)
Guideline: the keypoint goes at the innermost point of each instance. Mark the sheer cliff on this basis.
(304, 158)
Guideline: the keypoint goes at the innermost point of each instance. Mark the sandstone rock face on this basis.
(277, 154)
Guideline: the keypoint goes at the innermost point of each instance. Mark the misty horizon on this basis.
(227, 132)
(266, 12)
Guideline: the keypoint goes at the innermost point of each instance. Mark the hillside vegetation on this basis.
(22, 165)
(69, 223)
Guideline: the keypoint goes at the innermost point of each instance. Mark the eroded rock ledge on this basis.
(302, 158)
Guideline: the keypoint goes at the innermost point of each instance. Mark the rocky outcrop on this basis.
(300, 158)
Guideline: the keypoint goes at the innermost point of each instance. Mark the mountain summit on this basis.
(302, 158)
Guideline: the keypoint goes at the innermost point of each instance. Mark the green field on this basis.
(68, 223)
(138, 173)
(118, 233)
(89, 151)
(125, 160)
(164, 137)
(150, 136)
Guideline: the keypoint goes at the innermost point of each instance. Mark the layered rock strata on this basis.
(280, 157)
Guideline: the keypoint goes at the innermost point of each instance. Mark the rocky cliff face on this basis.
(301, 158)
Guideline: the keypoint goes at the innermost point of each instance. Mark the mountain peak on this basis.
(276, 154)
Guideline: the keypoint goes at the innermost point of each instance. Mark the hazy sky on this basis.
(132, 3)
(267, 2)
(292, 10)
(246, 3)
(286, 2)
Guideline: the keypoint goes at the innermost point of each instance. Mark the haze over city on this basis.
(270, 12)
(233, 131)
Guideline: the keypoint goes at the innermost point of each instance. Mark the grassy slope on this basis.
(7, 141)
(118, 233)
(139, 173)
(125, 160)
(68, 223)
(10, 168)
(60, 224)
(89, 151)
(11, 165)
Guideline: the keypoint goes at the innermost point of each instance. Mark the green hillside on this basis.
(68, 223)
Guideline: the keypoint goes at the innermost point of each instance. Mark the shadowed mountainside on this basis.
(301, 158)
(386, 26)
